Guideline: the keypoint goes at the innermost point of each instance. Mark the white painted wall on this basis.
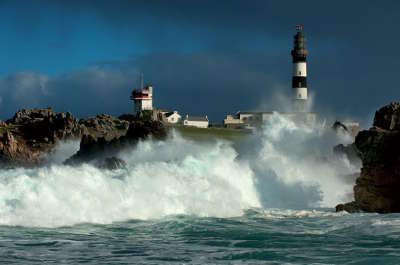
(198, 124)
(174, 118)
(300, 93)
(147, 104)
(300, 69)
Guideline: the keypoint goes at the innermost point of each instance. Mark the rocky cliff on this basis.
(377, 188)
(31, 133)
(104, 136)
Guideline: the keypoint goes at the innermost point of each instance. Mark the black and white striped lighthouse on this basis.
(299, 79)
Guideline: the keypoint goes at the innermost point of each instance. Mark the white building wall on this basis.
(147, 104)
(174, 118)
(300, 69)
(198, 124)
(300, 93)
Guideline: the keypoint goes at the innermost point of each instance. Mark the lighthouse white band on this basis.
(300, 93)
(300, 69)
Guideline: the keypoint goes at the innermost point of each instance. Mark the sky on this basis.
(202, 57)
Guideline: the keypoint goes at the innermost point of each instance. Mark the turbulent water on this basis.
(267, 200)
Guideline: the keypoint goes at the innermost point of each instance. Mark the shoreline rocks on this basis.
(377, 187)
(112, 135)
(31, 133)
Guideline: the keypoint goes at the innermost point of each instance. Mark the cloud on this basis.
(212, 84)
(85, 92)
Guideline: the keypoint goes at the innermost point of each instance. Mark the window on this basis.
(299, 72)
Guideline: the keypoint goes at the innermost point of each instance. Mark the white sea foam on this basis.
(162, 178)
(285, 166)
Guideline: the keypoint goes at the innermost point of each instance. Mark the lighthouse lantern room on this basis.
(143, 97)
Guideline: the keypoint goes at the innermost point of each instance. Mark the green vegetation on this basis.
(210, 134)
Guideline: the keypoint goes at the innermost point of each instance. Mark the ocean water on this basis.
(267, 200)
(257, 237)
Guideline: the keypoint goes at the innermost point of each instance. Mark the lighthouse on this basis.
(299, 78)
(143, 97)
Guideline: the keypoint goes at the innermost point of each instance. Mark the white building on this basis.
(199, 122)
(255, 119)
(172, 117)
(143, 98)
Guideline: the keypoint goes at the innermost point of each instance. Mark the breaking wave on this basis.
(284, 165)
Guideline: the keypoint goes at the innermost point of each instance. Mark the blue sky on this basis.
(203, 57)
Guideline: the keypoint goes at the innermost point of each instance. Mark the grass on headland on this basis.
(211, 133)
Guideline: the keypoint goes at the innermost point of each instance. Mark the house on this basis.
(232, 121)
(243, 119)
(172, 117)
(199, 122)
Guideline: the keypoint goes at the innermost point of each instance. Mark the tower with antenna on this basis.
(299, 77)
(143, 97)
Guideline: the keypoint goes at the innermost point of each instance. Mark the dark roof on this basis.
(168, 114)
(193, 118)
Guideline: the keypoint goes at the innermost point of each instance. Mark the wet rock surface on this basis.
(377, 188)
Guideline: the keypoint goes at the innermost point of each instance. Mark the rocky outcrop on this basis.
(105, 136)
(350, 151)
(105, 126)
(377, 188)
(31, 132)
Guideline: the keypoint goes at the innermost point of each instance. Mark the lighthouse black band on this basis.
(299, 81)
(299, 55)
(299, 59)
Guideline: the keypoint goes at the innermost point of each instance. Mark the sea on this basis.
(268, 199)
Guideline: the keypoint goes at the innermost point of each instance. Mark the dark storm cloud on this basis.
(216, 57)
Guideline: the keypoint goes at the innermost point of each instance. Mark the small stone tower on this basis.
(299, 79)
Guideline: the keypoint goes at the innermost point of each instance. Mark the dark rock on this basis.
(350, 207)
(106, 126)
(339, 126)
(350, 151)
(32, 132)
(388, 117)
(377, 188)
(106, 136)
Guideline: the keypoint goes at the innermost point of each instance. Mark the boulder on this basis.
(350, 207)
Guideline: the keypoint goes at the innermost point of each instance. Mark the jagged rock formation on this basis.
(104, 125)
(25, 137)
(105, 136)
(377, 188)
